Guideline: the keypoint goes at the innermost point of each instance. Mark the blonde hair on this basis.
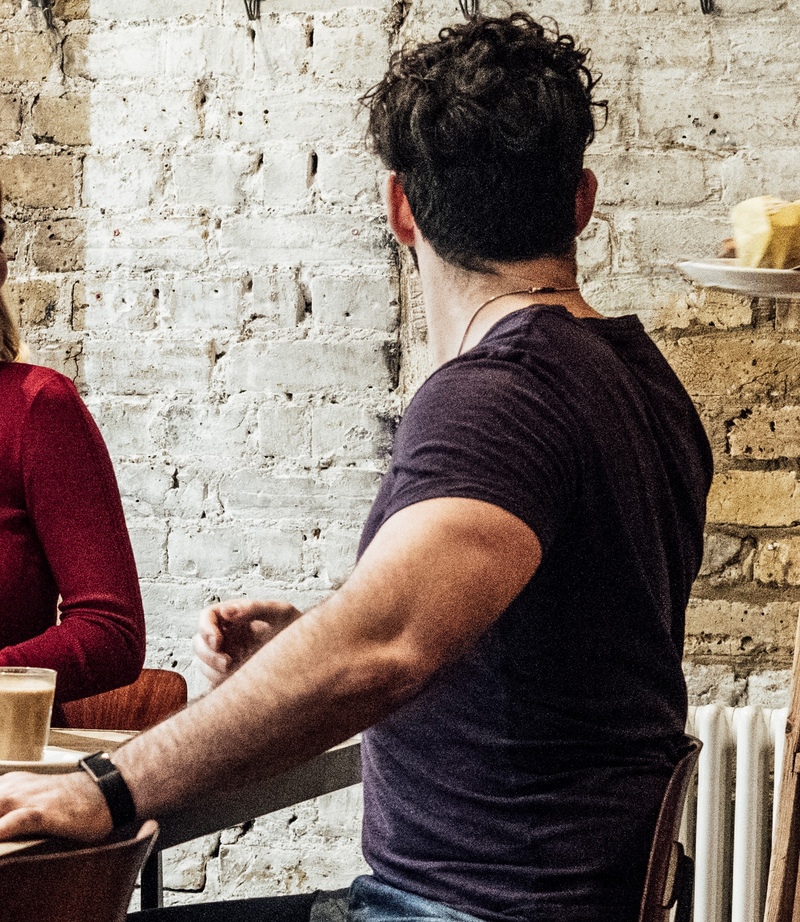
(9, 334)
(9, 331)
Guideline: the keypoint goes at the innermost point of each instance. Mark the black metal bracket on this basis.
(46, 6)
(253, 8)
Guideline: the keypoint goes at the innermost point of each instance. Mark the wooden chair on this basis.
(70, 882)
(783, 893)
(156, 694)
(670, 872)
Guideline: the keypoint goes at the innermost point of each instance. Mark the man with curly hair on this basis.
(511, 637)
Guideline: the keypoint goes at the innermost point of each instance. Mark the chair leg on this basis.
(152, 887)
(683, 904)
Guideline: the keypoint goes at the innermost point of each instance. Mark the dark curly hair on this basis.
(486, 129)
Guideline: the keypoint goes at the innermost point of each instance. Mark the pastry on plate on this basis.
(766, 233)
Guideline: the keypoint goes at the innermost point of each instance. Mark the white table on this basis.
(333, 770)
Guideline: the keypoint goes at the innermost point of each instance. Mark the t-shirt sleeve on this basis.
(73, 500)
(489, 430)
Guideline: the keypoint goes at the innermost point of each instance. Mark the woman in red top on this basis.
(62, 533)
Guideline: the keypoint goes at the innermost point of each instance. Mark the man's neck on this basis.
(461, 306)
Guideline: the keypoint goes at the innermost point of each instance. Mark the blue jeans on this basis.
(372, 901)
(366, 901)
(301, 907)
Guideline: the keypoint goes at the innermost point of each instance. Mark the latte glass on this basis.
(26, 703)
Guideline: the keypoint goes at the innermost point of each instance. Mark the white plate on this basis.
(55, 761)
(728, 274)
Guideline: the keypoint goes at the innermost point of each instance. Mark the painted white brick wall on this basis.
(199, 243)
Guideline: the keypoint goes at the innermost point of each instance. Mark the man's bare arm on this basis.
(435, 577)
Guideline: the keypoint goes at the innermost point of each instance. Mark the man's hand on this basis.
(231, 632)
(68, 805)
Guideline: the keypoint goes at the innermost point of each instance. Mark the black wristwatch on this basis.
(112, 786)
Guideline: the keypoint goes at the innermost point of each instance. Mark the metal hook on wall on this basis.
(46, 6)
(253, 8)
(470, 8)
(707, 6)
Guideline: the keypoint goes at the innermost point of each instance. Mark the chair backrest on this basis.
(70, 882)
(155, 695)
(666, 855)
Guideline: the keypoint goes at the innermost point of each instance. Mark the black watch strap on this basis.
(112, 786)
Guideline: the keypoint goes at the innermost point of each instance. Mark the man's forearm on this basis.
(434, 578)
(303, 692)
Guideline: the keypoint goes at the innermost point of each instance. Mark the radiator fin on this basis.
(729, 817)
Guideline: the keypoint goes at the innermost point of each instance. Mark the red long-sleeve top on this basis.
(63, 533)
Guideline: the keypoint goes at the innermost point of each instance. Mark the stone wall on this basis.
(199, 244)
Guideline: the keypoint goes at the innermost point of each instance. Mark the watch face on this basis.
(98, 764)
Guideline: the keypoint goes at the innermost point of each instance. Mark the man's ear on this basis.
(398, 210)
(584, 200)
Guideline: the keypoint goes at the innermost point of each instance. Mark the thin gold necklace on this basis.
(546, 290)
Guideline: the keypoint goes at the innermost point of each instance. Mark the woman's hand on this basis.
(229, 633)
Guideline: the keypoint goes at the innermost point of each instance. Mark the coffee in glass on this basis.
(26, 703)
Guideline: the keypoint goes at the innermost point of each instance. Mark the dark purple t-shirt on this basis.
(523, 782)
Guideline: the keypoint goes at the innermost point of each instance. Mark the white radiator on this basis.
(728, 821)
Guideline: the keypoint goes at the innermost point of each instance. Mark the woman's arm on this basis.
(73, 501)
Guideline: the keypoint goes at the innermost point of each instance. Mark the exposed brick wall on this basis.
(199, 243)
